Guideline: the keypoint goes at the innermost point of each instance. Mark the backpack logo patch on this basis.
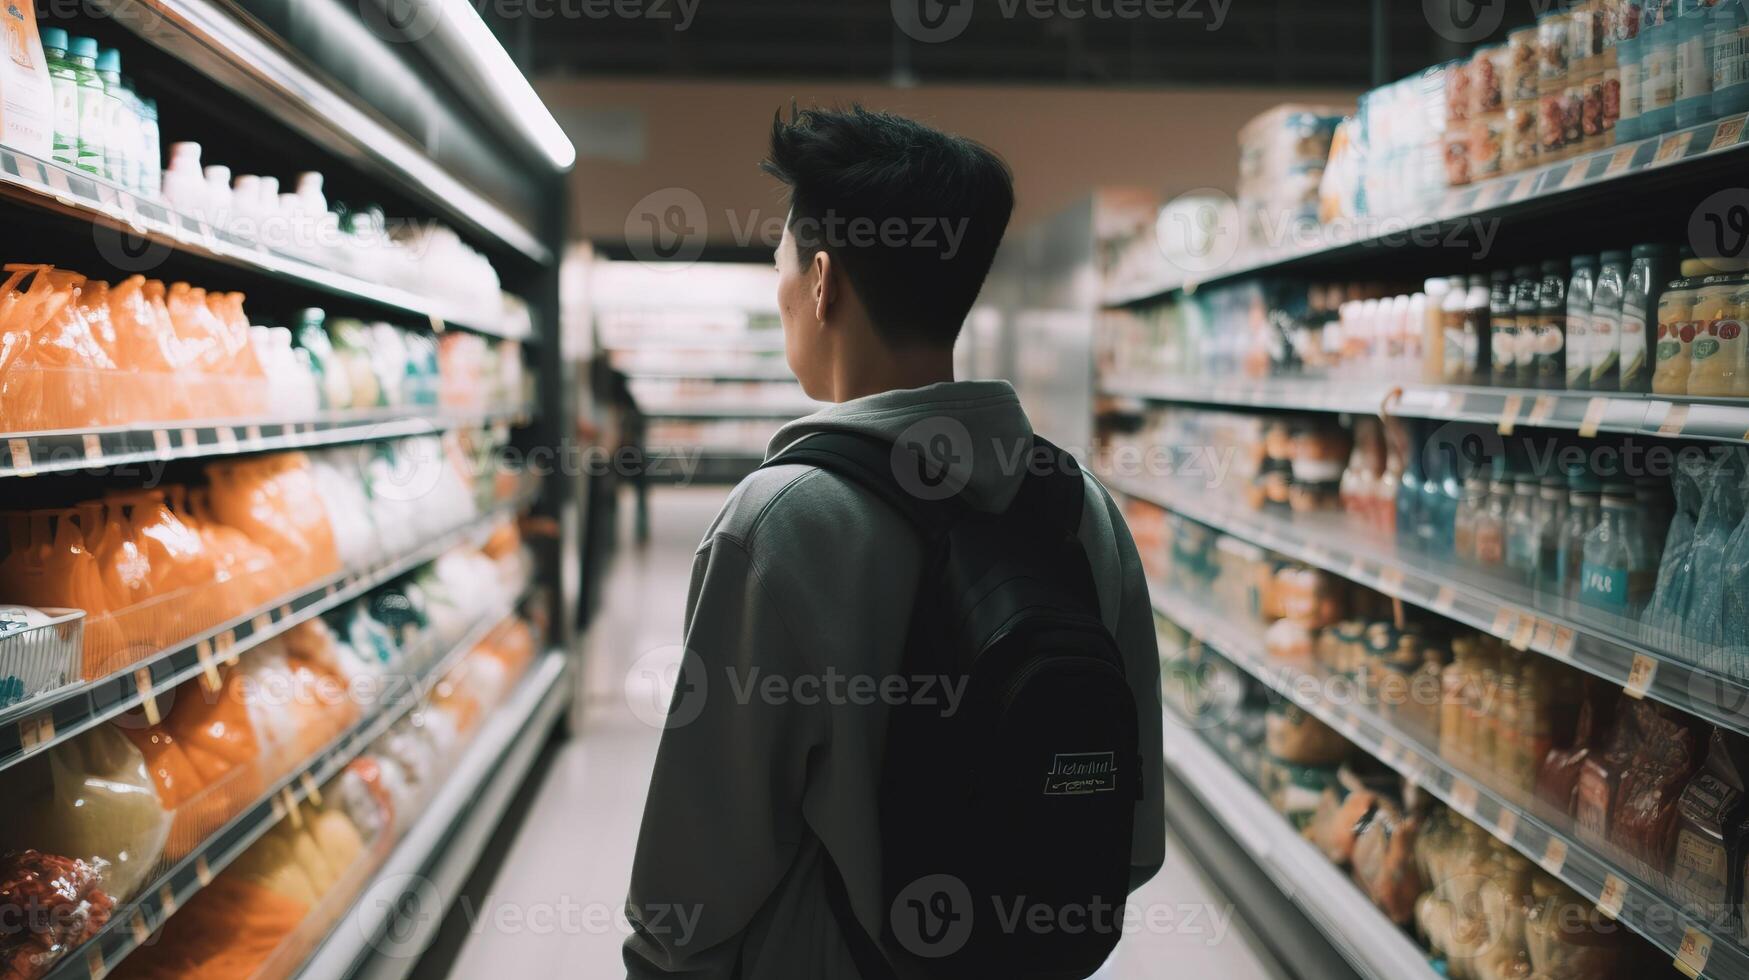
(1081, 773)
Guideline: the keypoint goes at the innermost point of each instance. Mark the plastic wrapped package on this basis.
(1384, 861)
(56, 903)
(1670, 596)
(1665, 752)
(1734, 617)
(403, 789)
(149, 347)
(72, 367)
(410, 746)
(48, 564)
(90, 798)
(367, 802)
(341, 488)
(1719, 518)
(226, 931)
(274, 501)
(1297, 737)
(244, 572)
(1558, 776)
(1569, 939)
(1341, 814)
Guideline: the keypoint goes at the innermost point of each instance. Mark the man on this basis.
(766, 783)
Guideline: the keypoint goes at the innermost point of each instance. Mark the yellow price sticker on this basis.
(1464, 797)
(1640, 676)
(93, 446)
(1613, 897)
(1506, 825)
(161, 441)
(290, 803)
(1509, 414)
(1691, 956)
(190, 439)
(20, 449)
(138, 925)
(1674, 419)
(143, 683)
(1541, 409)
(1504, 619)
(167, 901)
(1595, 410)
(203, 872)
(1729, 131)
(312, 792)
(227, 437)
(1554, 856)
(1526, 631)
(209, 671)
(1618, 163)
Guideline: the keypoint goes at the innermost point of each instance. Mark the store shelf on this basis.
(33, 453)
(1585, 412)
(391, 923)
(56, 188)
(743, 374)
(1559, 629)
(706, 466)
(37, 724)
(132, 924)
(1371, 943)
(221, 42)
(1575, 862)
(1595, 179)
(702, 409)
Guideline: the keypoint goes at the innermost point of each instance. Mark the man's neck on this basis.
(871, 373)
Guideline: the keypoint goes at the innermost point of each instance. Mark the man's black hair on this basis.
(914, 215)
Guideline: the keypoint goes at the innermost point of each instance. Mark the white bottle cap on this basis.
(185, 155)
(218, 176)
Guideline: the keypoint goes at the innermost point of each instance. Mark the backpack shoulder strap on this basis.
(1054, 492)
(869, 463)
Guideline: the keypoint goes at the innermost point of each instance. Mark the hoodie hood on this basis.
(974, 432)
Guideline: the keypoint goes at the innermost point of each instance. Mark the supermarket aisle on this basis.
(554, 908)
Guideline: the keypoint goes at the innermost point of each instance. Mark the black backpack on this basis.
(1005, 825)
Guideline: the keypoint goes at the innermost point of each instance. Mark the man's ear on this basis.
(825, 285)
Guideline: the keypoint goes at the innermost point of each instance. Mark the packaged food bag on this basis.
(1719, 517)
(90, 798)
(27, 97)
(150, 350)
(60, 903)
(1663, 617)
(1733, 652)
(74, 382)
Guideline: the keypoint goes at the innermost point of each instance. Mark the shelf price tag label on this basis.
(138, 925)
(227, 438)
(1444, 599)
(1545, 635)
(1524, 633)
(161, 441)
(252, 433)
(1672, 147)
(20, 449)
(1504, 619)
(437, 324)
(1506, 825)
(1509, 414)
(1464, 797)
(34, 733)
(1563, 643)
(203, 872)
(1391, 579)
(261, 623)
(1594, 412)
(289, 803)
(1391, 753)
(1554, 856)
(209, 671)
(1577, 174)
(1613, 897)
(1640, 676)
(1691, 956)
(1541, 409)
(167, 901)
(143, 682)
(312, 792)
(93, 446)
(94, 964)
(1729, 131)
(1618, 163)
(1674, 419)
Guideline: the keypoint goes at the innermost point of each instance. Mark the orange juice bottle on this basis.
(1719, 357)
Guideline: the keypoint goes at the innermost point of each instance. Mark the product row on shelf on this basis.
(82, 353)
(122, 807)
(1629, 320)
(1651, 795)
(69, 105)
(1594, 91)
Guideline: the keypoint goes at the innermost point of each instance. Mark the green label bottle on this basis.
(93, 106)
(66, 94)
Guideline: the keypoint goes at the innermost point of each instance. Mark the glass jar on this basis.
(1579, 320)
(1604, 355)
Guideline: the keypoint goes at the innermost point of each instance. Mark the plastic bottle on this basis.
(1616, 574)
(218, 195)
(117, 120)
(1453, 315)
(1491, 525)
(1584, 510)
(1579, 321)
(1605, 330)
(1523, 544)
(1694, 68)
(152, 144)
(1526, 290)
(1469, 513)
(1728, 36)
(1675, 343)
(66, 88)
(1547, 518)
(1646, 278)
(1629, 62)
(184, 183)
(1474, 339)
(1502, 320)
(1657, 67)
(139, 160)
(1549, 358)
(93, 106)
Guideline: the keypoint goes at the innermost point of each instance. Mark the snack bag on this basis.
(27, 97)
(90, 798)
(71, 366)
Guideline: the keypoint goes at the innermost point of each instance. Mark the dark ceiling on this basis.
(1256, 42)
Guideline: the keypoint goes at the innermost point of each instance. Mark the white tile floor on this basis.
(553, 909)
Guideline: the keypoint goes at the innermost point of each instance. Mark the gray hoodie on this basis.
(799, 602)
